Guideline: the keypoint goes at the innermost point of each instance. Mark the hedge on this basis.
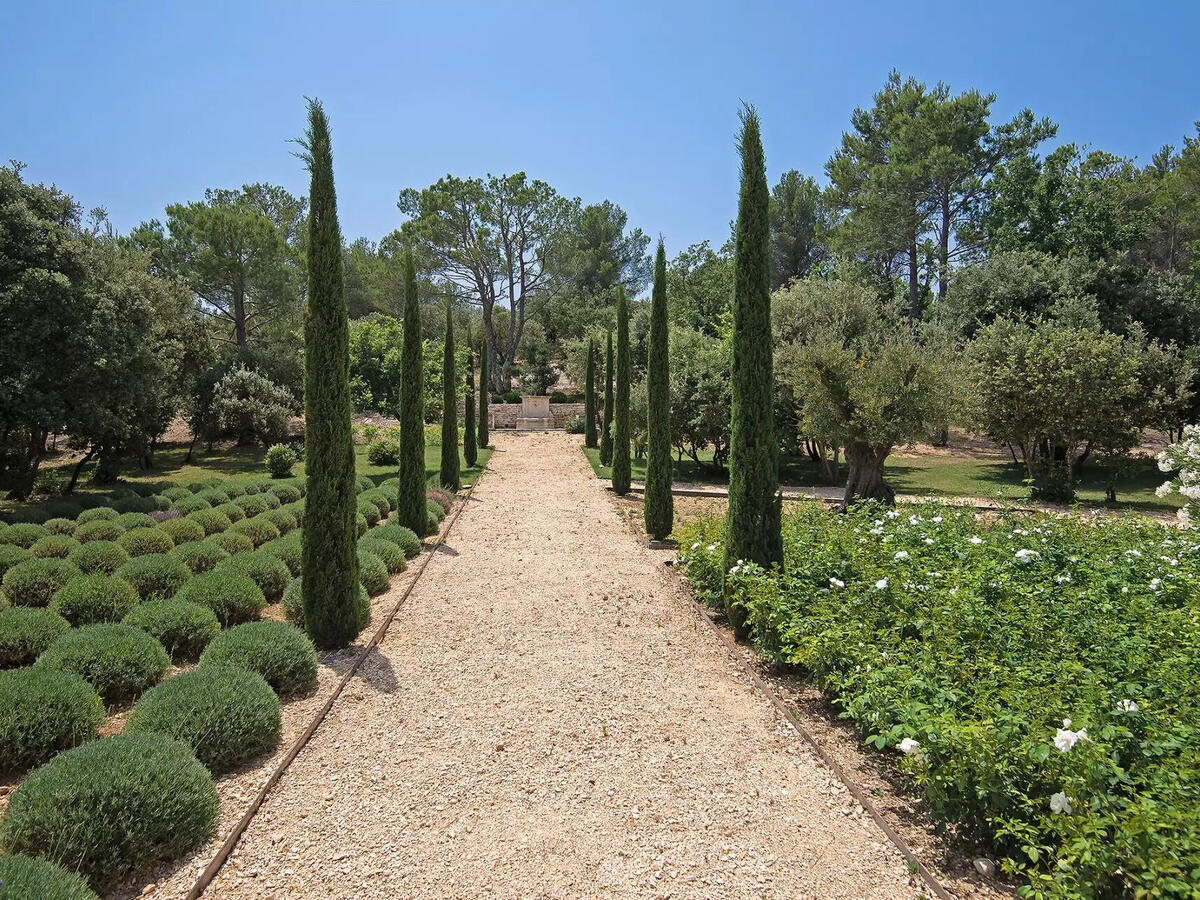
(119, 661)
(282, 519)
(372, 572)
(391, 555)
(287, 550)
(10, 555)
(182, 627)
(199, 556)
(281, 654)
(25, 534)
(259, 530)
(98, 514)
(25, 632)
(213, 521)
(88, 599)
(232, 542)
(104, 557)
(155, 575)
(98, 530)
(231, 511)
(132, 520)
(43, 712)
(35, 581)
(60, 526)
(232, 596)
(182, 531)
(267, 571)
(54, 546)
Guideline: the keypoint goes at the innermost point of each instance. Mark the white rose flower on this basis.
(908, 747)
(975, 539)
(901, 554)
(1128, 706)
(837, 582)
(882, 584)
(1059, 803)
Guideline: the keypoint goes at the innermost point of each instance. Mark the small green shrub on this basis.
(43, 712)
(98, 530)
(232, 489)
(213, 521)
(155, 575)
(436, 512)
(232, 542)
(189, 505)
(60, 526)
(134, 503)
(141, 541)
(269, 572)
(183, 530)
(369, 511)
(575, 426)
(383, 452)
(87, 599)
(279, 461)
(252, 505)
(281, 654)
(133, 520)
(215, 496)
(182, 627)
(232, 595)
(10, 555)
(404, 538)
(28, 878)
(35, 581)
(259, 529)
(288, 550)
(361, 525)
(26, 631)
(391, 485)
(444, 499)
(364, 483)
(282, 519)
(287, 493)
(54, 546)
(199, 556)
(99, 556)
(97, 514)
(24, 534)
(372, 572)
(293, 604)
(117, 660)
(391, 555)
(380, 498)
(176, 493)
(232, 511)
(112, 806)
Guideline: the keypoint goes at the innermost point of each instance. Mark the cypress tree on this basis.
(484, 388)
(620, 450)
(329, 560)
(470, 447)
(589, 397)
(752, 522)
(450, 478)
(410, 497)
(658, 507)
(606, 420)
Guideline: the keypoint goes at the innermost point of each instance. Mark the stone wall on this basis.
(505, 415)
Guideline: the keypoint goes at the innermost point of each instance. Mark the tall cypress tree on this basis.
(450, 477)
(606, 420)
(410, 497)
(620, 451)
(658, 508)
(329, 561)
(470, 446)
(484, 389)
(752, 522)
(589, 397)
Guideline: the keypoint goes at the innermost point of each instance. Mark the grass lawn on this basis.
(945, 476)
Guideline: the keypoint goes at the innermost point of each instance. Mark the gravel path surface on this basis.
(547, 718)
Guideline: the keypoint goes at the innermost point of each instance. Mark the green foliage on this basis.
(88, 599)
(232, 542)
(60, 526)
(98, 530)
(288, 550)
(282, 519)
(183, 530)
(35, 581)
(226, 715)
(281, 654)
(390, 554)
(449, 476)
(369, 511)
(435, 511)
(381, 498)
(252, 504)
(375, 361)
(213, 521)
(26, 631)
(53, 546)
(199, 556)
(658, 509)
(141, 541)
(43, 712)
(118, 661)
(410, 497)
(190, 505)
(155, 575)
(266, 570)
(251, 404)
(132, 520)
(607, 417)
(104, 557)
(383, 452)
(96, 514)
(23, 534)
(280, 460)
(293, 606)
(259, 529)
(286, 493)
(182, 627)
(402, 537)
(27, 878)
(10, 555)
(372, 572)
(620, 428)
(113, 806)
(470, 441)
(231, 594)
(231, 511)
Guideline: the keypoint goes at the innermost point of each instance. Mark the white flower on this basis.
(1134, 553)
(882, 584)
(837, 582)
(901, 554)
(975, 539)
(936, 519)
(1059, 803)
(712, 548)
(1027, 556)
(1128, 706)
(1065, 739)
(1064, 578)
(696, 546)
(909, 747)
(929, 541)
(1163, 489)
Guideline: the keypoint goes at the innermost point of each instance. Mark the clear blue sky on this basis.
(134, 105)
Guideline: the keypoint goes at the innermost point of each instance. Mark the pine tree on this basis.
(620, 450)
(470, 447)
(484, 389)
(329, 561)
(752, 522)
(410, 497)
(658, 507)
(606, 420)
(589, 397)
(450, 478)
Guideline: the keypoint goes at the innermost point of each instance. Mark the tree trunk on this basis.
(914, 295)
(944, 249)
(79, 469)
(865, 481)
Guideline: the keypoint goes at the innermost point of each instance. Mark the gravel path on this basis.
(547, 718)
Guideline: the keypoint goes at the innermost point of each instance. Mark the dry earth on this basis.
(547, 718)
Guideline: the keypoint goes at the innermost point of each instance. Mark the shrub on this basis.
(372, 572)
(178, 492)
(281, 519)
(436, 510)
(259, 529)
(98, 530)
(576, 426)
(253, 504)
(132, 520)
(59, 526)
(118, 661)
(383, 452)
(161, 504)
(286, 493)
(189, 505)
(390, 486)
(363, 483)
(226, 715)
(293, 604)
(231, 510)
(134, 503)
(269, 498)
(43, 712)
(53, 546)
(368, 511)
(213, 521)
(97, 514)
(288, 550)
(87, 599)
(402, 537)
(214, 496)
(112, 806)
(199, 556)
(361, 525)
(26, 631)
(99, 556)
(269, 572)
(24, 534)
(281, 654)
(380, 498)
(444, 499)
(232, 596)
(232, 542)
(28, 878)
(182, 627)
(391, 555)
(35, 581)
(183, 530)
(155, 575)
(142, 541)
(233, 489)
(280, 459)
(10, 555)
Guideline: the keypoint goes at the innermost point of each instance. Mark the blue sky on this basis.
(134, 105)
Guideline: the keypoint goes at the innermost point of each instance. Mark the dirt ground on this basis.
(547, 717)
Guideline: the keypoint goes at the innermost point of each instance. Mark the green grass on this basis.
(940, 476)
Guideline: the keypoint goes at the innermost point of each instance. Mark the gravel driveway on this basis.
(547, 718)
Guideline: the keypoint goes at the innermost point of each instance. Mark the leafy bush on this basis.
(213, 521)
(104, 557)
(183, 530)
(444, 499)
(361, 525)
(232, 511)
(26, 631)
(131, 520)
(155, 575)
(215, 496)
(118, 661)
(98, 530)
(96, 514)
(383, 452)
(390, 554)
(35, 581)
(368, 511)
(288, 550)
(286, 493)
(576, 426)
(60, 526)
(189, 505)
(53, 546)
(143, 541)
(259, 530)
(372, 572)
(380, 498)
(404, 538)
(281, 519)
(281, 654)
(248, 402)
(199, 556)
(182, 627)
(293, 604)
(232, 542)
(279, 461)
(226, 715)
(87, 599)
(364, 483)
(112, 806)
(436, 512)
(232, 596)
(28, 878)
(252, 504)
(177, 492)
(24, 534)
(43, 712)
(269, 572)
(10, 555)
